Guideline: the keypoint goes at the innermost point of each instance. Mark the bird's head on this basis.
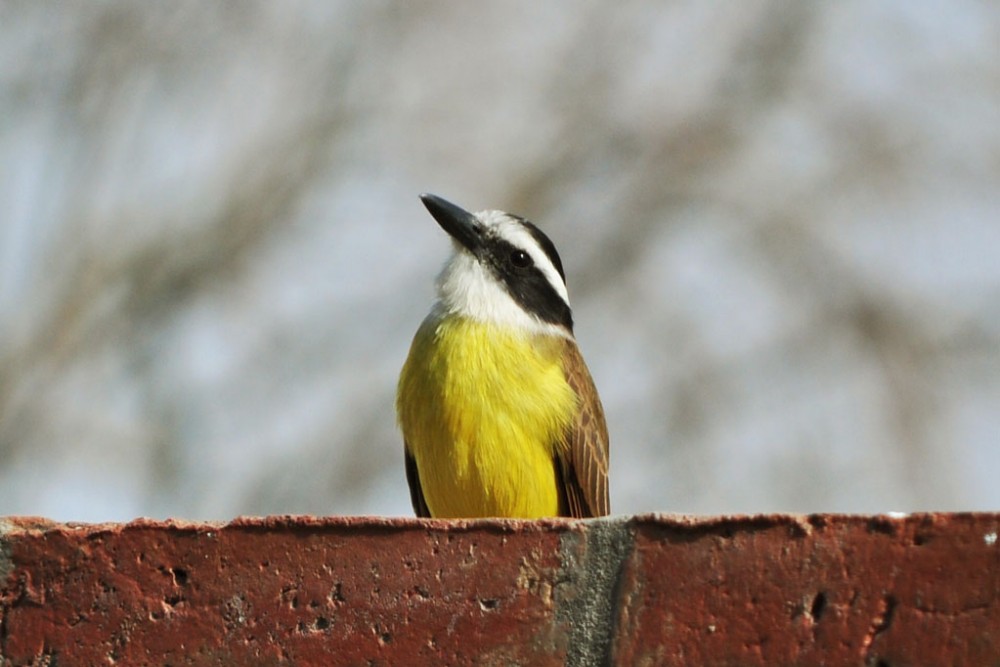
(504, 270)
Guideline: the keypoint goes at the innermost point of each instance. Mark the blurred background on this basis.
(780, 223)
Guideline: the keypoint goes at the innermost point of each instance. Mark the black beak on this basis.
(459, 223)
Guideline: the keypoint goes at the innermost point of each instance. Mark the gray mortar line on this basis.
(6, 567)
(6, 561)
(587, 597)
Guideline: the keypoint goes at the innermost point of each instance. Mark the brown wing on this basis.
(416, 491)
(583, 463)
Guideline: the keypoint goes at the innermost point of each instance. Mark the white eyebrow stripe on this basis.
(514, 233)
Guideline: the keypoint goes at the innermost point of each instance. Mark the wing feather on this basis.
(416, 490)
(583, 461)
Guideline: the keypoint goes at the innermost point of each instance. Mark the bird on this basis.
(499, 414)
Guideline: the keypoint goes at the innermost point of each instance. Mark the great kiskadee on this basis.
(500, 416)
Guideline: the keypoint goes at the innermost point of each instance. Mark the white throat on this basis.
(465, 287)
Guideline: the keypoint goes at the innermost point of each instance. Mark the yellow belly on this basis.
(482, 411)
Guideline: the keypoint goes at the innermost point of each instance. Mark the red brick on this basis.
(275, 591)
(654, 590)
(819, 590)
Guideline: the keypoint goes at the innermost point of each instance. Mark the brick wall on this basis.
(647, 590)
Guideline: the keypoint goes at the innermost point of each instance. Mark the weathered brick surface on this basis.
(819, 590)
(280, 591)
(770, 590)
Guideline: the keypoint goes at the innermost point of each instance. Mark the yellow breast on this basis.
(482, 410)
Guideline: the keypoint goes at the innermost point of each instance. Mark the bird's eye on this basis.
(520, 259)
